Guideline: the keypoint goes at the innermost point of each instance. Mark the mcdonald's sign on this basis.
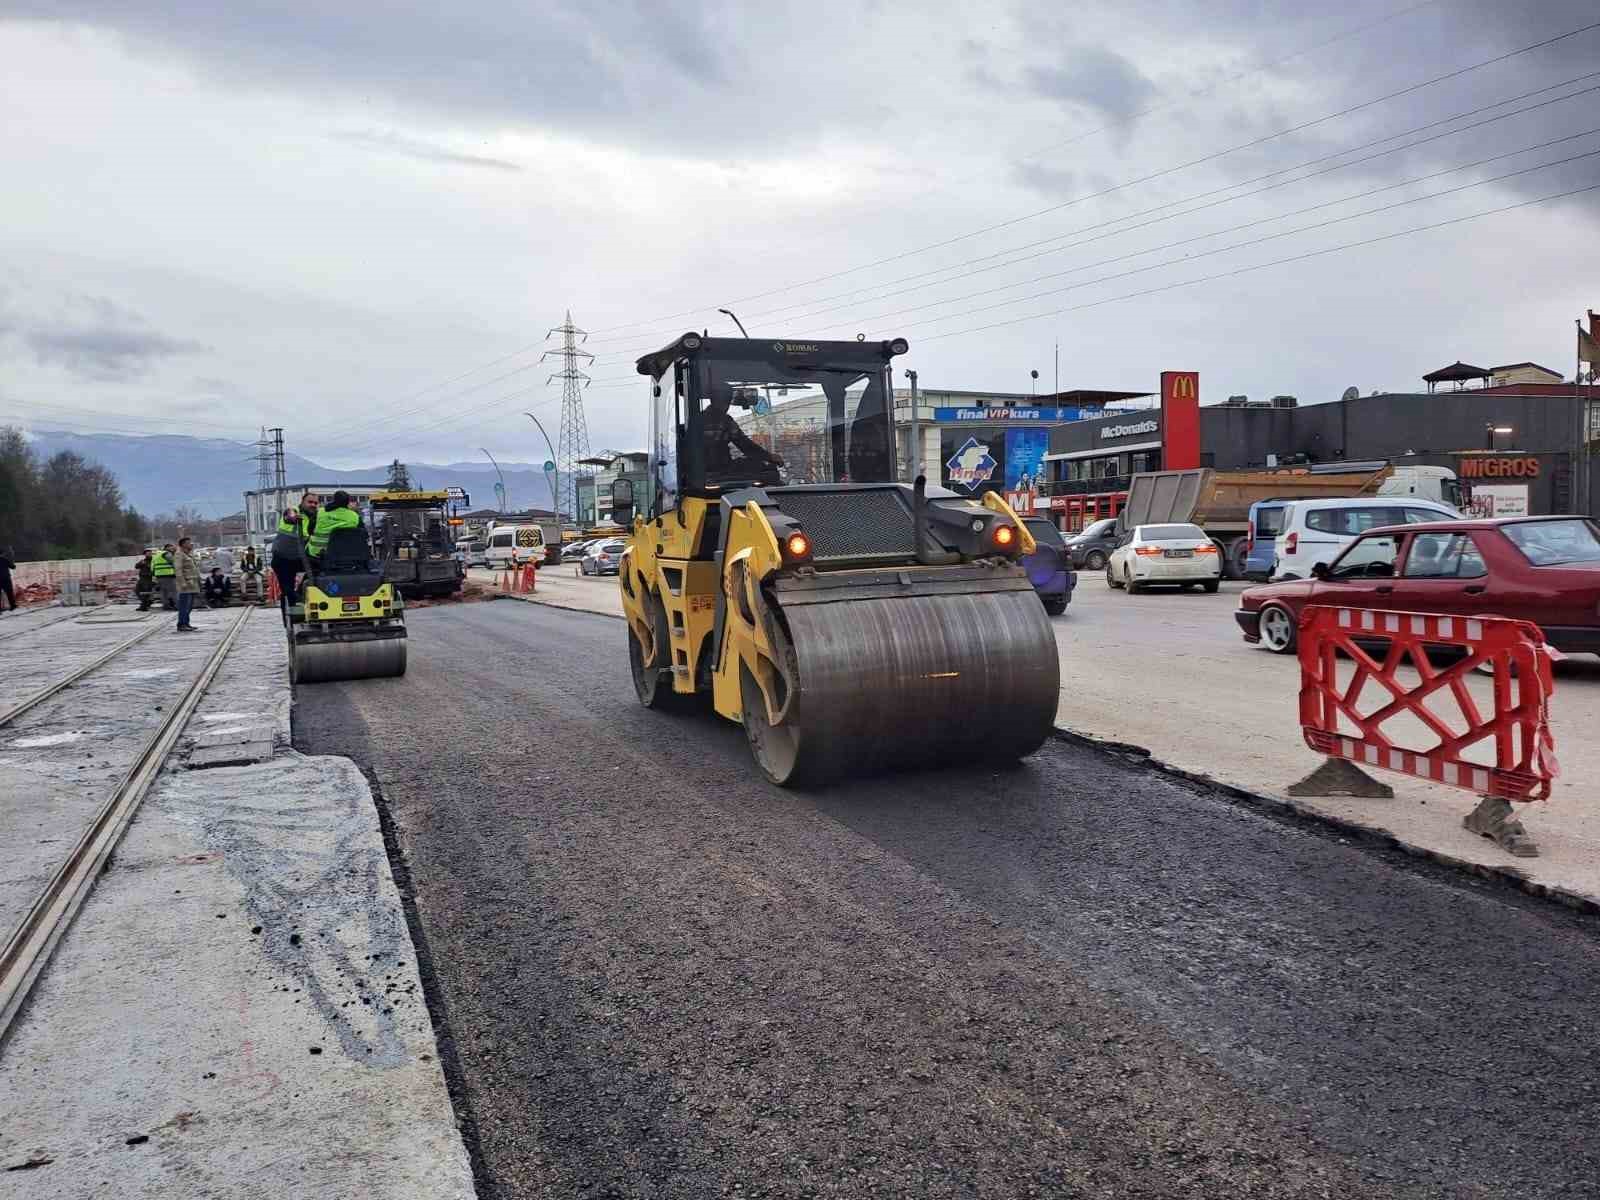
(1180, 419)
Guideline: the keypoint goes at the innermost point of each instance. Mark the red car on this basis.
(1540, 569)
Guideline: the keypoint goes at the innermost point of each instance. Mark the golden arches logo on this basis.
(1183, 387)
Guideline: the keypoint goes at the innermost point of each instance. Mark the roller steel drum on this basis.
(910, 681)
(327, 662)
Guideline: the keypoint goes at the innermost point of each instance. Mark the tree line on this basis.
(61, 507)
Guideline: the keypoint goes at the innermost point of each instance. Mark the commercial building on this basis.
(1517, 445)
(594, 488)
(1000, 436)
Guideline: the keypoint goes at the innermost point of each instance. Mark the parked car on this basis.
(472, 552)
(1048, 567)
(1092, 545)
(573, 551)
(603, 558)
(1175, 554)
(1540, 569)
(1314, 531)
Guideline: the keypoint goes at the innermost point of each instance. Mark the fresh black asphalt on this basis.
(660, 976)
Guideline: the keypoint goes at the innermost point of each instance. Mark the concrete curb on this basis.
(537, 599)
(1506, 876)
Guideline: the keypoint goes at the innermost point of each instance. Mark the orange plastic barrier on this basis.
(1337, 723)
(530, 579)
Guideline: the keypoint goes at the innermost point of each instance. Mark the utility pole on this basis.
(574, 432)
(555, 488)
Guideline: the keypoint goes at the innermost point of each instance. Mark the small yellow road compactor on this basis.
(848, 621)
(347, 622)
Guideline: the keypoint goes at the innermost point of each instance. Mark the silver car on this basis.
(1180, 555)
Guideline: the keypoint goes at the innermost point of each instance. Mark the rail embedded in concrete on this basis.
(43, 694)
(30, 946)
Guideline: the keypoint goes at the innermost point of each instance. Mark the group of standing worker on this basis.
(302, 538)
(174, 571)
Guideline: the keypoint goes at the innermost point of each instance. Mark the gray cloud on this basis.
(100, 340)
(394, 143)
(1095, 78)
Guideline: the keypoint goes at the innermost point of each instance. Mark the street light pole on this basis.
(555, 497)
(500, 487)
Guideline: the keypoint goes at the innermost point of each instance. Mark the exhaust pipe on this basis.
(919, 518)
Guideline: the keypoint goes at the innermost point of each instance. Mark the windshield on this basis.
(1165, 533)
(1099, 528)
(1044, 532)
(1553, 543)
(766, 423)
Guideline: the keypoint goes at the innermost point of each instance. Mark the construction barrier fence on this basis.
(1396, 653)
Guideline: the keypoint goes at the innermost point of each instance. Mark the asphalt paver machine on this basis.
(348, 622)
(414, 543)
(848, 621)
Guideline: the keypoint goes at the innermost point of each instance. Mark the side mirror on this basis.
(622, 501)
(1319, 571)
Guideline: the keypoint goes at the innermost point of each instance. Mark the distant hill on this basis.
(160, 473)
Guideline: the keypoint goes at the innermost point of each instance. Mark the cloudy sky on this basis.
(358, 220)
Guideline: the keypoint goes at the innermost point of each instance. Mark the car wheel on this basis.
(1277, 629)
(1211, 585)
(1095, 560)
(1132, 587)
(1111, 579)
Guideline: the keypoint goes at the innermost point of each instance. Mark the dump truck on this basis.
(1219, 501)
(850, 623)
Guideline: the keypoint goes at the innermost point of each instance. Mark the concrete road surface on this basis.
(660, 977)
(1168, 671)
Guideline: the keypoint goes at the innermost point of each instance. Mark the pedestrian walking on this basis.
(8, 564)
(186, 577)
(145, 588)
(162, 570)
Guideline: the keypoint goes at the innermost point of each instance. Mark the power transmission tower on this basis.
(280, 478)
(399, 477)
(573, 441)
(263, 462)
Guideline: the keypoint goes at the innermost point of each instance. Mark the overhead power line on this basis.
(955, 272)
(1341, 36)
(1277, 262)
(1165, 171)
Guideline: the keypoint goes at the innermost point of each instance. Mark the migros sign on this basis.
(1499, 468)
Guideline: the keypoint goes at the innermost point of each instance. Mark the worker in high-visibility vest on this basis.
(288, 553)
(164, 573)
(335, 515)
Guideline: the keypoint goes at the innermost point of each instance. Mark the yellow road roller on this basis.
(347, 622)
(848, 621)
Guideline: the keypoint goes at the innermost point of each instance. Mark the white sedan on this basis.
(1177, 554)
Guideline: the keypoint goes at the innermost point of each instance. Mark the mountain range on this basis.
(161, 472)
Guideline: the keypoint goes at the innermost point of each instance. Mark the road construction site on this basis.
(599, 955)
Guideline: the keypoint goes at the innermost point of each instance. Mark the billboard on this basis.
(1048, 416)
(1024, 458)
(973, 463)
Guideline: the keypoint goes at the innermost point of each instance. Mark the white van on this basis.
(514, 546)
(1315, 531)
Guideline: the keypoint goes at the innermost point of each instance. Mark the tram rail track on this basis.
(66, 616)
(29, 947)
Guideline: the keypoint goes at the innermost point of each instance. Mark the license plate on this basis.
(351, 606)
(1180, 553)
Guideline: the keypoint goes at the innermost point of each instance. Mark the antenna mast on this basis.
(573, 437)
